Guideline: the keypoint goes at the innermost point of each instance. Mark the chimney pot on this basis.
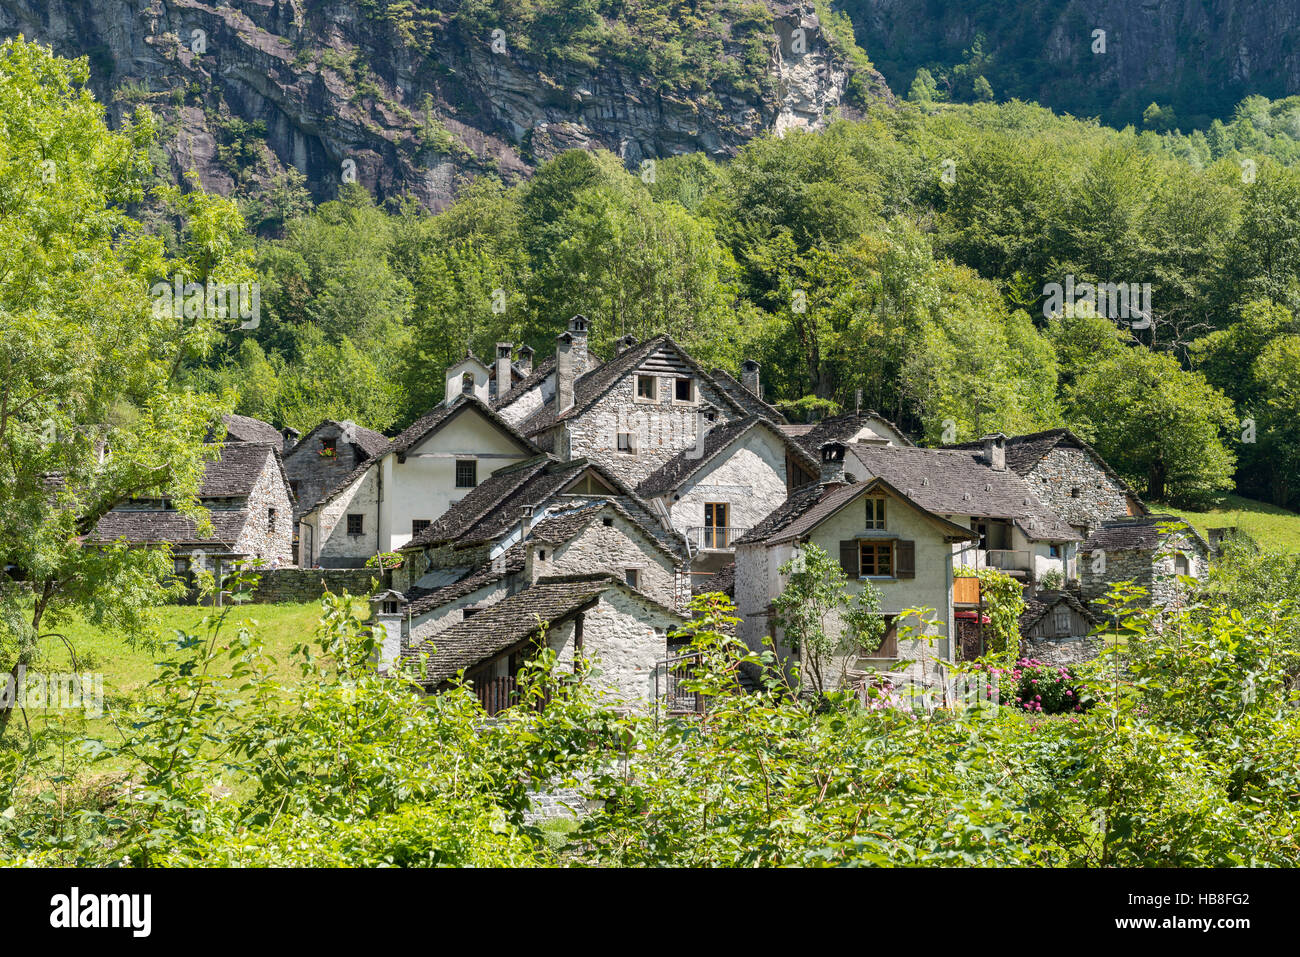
(832, 455)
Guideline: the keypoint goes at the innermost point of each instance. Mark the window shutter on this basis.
(905, 560)
(849, 558)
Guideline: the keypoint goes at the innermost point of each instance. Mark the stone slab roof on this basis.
(588, 388)
(243, 428)
(957, 482)
(508, 623)
(752, 404)
(530, 381)
(440, 415)
(1141, 532)
(1042, 603)
(724, 580)
(842, 428)
(1024, 452)
(422, 601)
(368, 441)
(686, 463)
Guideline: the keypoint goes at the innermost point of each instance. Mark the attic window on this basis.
(626, 443)
(1074, 492)
(270, 519)
(329, 445)
(647, 388)
(466, 473)
(875, 513)
(633, 577)
(684, 390)
(607, 522)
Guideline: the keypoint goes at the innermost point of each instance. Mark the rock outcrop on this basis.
(408, 99)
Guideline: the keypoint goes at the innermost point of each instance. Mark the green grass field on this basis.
(1270, 525)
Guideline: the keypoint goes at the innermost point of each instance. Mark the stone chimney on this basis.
(995, 451)
(832, 454)
(526, 359)
(291, 437)
(564, 372)
(749, 377)
(503, 367)
(622, 345)
(525, 521)
(578, 327)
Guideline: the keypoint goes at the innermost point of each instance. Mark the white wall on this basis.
(749, 476)
(426, 487)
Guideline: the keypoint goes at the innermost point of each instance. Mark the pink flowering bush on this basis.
(1038, 687)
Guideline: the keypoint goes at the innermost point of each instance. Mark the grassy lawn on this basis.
(1270, 525)
(128, 668)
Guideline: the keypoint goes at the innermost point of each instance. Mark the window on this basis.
(1181, 565)
(626, 443)
(418, 525)
(390, 608)
(647, 388)
(876, 559)
(875, 513)
(270, 519)
(889, 640)
(716, 531)
(329, 445)
(1074, 492)
(356, 524)
(541, 554)
(466, 473)
(607, 522)
(1054, 551)
(180, 566)
(633, 577)
(684, 390)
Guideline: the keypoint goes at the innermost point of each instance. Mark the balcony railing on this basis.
(715, 538)
(1003, 559)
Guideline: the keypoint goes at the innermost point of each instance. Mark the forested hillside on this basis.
(1111, 58)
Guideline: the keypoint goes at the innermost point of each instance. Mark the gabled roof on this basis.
(564, 526)
(729, 384)
(512, 622)
(812, 510)
(422, 601)
(440, 415)
(243, 428)
(368, 441)
(589, 388)
(1042, 603)
(958, 482)
(673, 473)
(1143, 532)
(842, 428)
(234, 475)
(1024, 452)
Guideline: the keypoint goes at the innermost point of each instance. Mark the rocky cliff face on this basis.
(1201, 56)
(413, 98)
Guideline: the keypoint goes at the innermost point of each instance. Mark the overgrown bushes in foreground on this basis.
(1187, 757)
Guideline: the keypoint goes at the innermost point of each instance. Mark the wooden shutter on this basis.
(849, 557)
(905, 559)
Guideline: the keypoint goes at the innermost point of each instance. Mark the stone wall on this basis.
(1062, 651)
(268, 533)
(1062, 472)
(661, 428)
(325, 533)
(614, 548)
(308, 584)
(313, 474)
(1153, 570)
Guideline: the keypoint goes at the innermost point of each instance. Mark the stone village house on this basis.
(246, 493)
